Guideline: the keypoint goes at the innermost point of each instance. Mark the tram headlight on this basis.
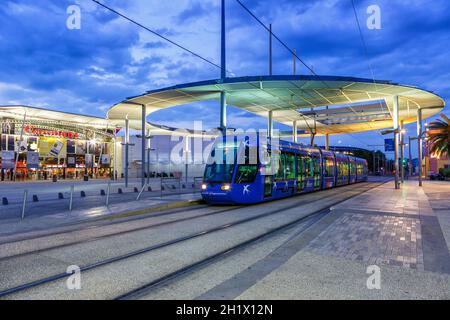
(225, 187)
(204, 186)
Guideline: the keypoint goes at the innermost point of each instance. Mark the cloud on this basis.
(45, 64)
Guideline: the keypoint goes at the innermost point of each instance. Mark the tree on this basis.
(438, 135)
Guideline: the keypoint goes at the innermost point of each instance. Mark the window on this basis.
(286, 166)
(329, 167)
(352, 168)
(218, 172)
(220, 165)
(289, 161)
(246, 173)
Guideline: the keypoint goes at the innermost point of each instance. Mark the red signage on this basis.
(51, 133)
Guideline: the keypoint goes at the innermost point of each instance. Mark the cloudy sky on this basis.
(45, 64)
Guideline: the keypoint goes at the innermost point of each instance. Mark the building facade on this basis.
(39, 144)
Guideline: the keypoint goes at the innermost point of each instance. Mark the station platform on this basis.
(54, 219)
(406, 233)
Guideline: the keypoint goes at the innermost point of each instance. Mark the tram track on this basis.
(173, 275)
(96, 238)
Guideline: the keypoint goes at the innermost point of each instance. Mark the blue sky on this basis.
(44, 64)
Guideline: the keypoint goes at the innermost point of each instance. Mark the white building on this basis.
(168, 156)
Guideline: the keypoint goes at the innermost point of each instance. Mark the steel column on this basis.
(143, 138)
(419, 143)
(396, 139)
(327, 141)
(270, 49)
(410, 157)
(127, 141)
(294, 132)
(149, 146)
(270, 124)
(402, 152)
(223, 112)
(223, 44)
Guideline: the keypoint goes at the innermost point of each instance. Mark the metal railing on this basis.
(34, 201)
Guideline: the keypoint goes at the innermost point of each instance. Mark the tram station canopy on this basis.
(18, 112)
(332, 104)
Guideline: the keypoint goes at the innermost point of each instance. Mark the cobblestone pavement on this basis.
(387, 226)
(372, 238)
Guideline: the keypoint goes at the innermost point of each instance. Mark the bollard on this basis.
(108, 190)
(25, 196)
(120, 191)
(83, 194)
(173, 187)
(72, 188)
(102, 192)
(183, 186)
(149, 189)
(136, 189)
(5, 201)
(60, 195)
(162, 188)
(35, 198)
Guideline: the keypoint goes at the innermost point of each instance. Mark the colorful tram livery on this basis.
(252, 173)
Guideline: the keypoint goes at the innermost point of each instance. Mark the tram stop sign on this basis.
(389, 145)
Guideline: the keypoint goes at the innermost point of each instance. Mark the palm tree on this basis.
(438, 134)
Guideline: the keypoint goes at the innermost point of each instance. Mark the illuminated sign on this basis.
(51, 133)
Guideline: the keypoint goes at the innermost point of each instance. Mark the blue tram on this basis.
(239, 171)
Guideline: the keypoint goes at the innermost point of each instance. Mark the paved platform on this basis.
(52, 216)
(405, 232)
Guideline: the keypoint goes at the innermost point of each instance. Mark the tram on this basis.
(241, 170)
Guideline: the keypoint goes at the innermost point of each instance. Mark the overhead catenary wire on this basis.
(158, 35)
(276, 37)
(291, 51)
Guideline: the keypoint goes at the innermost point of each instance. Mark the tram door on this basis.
(268, 183)
(317, 172)
(267, 171)
(301, 173)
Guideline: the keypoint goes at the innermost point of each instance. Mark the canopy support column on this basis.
(396, 140)
(270, 49)
(419, 143)
(127, 142)
(294, 132)
(270, 124)
(402, 152)
(327, 141)
(143, 133)
(223, 112)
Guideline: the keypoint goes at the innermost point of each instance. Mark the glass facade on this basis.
(41, 150)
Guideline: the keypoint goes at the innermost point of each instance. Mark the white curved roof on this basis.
(338, 104)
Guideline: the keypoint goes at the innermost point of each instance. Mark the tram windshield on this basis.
(221, 162)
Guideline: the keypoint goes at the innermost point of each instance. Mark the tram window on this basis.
(316, 161)
(286, 166)
(246, 173)
(279, 166)
(329, 167)
(289, 162)
(352, 168)
(309, 166)
(301, 166)
(218, 172)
